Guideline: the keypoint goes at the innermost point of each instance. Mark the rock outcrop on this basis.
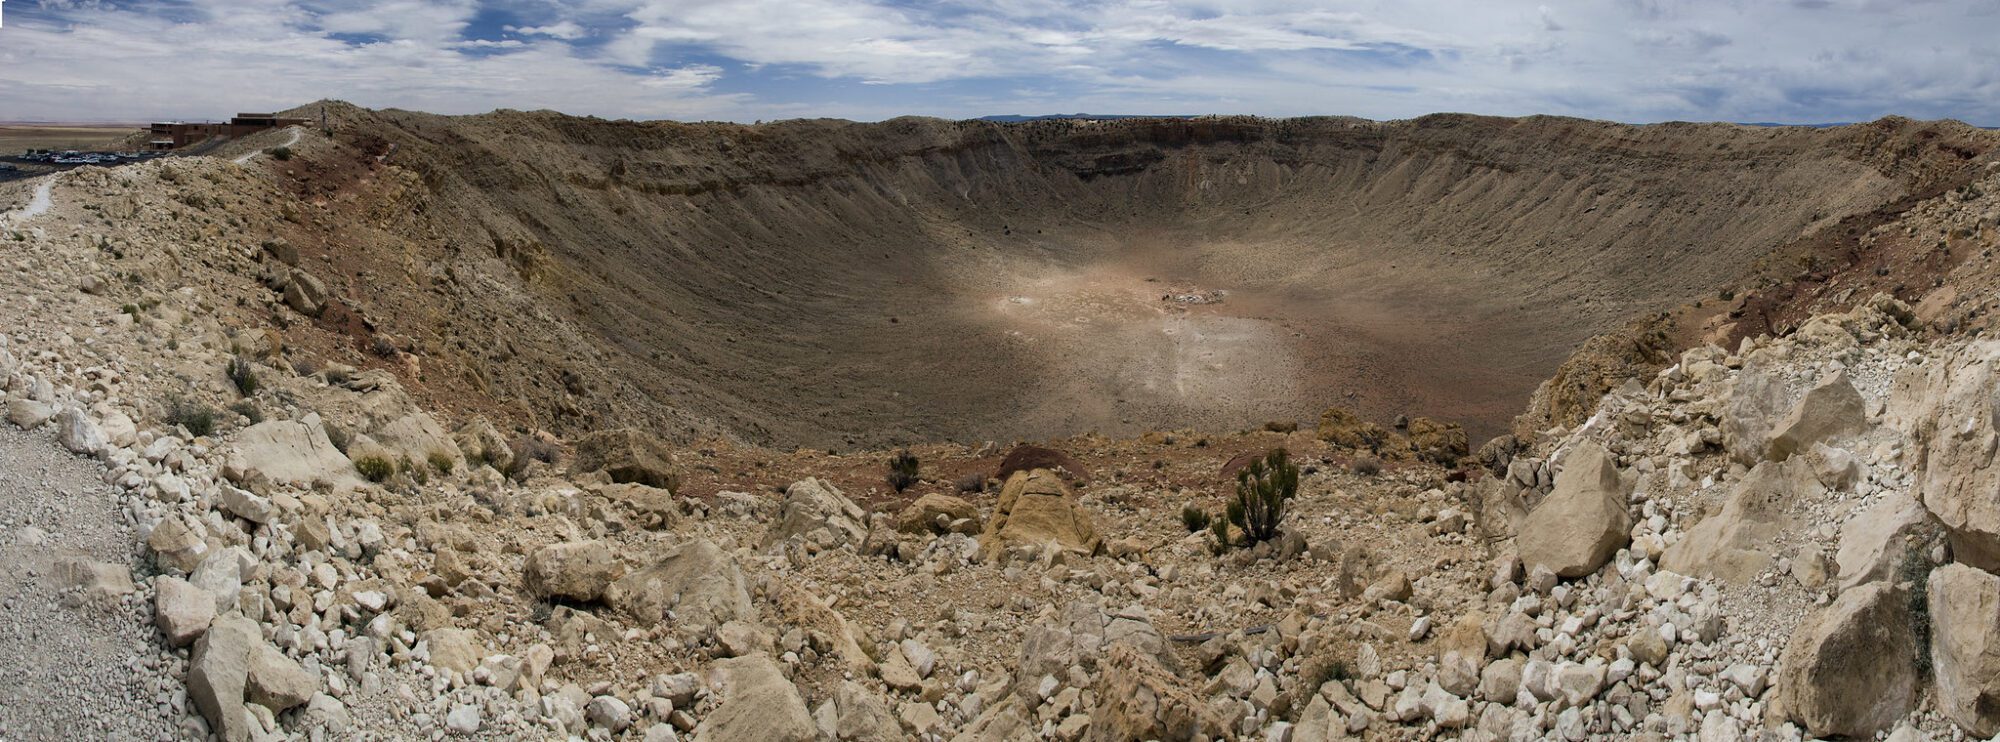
(696, 580)
(1036, 509)
(1965, 646)
(1735, 545)
(1584, 519)
(1850, 669)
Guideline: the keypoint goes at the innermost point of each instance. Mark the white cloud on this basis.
(1639, 60)
(565, 30)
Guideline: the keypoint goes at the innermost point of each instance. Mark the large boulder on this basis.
(305, 293)
(483, 443)
(1965, 646)
(1735, 545)
(1956, 475)
(815, 510)
(863, 716)
(418, 437)
(699, 583)
(1875, 544)
(1341, 427)
(757, 703)
(1850, 669)
(232, 663)
(628, 456)
(181, 610)
(939, 513)
(1437, 442)
(292, 452)
(1583, 521)
(1137, 698)
(1829, 411)
(579, 570)
(1037, 509)
(1750, 411)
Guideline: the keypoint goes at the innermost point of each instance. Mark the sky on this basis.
(1786, 61)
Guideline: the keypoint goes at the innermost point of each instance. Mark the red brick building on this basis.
(178, 134)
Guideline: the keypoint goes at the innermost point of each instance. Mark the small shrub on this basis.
(305, 367)
(282, 153)
(243, 376)
(336, 375)
(248, 410)
(441, 461)
(1262, 490)
(383, 347)
(1367, 466)
(529, 448)
(974, 482)
(375, 468)
(197, 418)
(1727, 295)
(1194, 518)
(1219, 527)
(903, 470)
(410, 469)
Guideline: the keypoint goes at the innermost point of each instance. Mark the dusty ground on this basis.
(72, 666)
(17, 137)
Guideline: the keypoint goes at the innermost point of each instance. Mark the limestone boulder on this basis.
(417, 437)
(578, 570)
(480, 442)
(1734, 545)
(940, 514)
(863, 716)
(1875, 544)
(232, 663)
(699, 583)
(757, 703)
(817, 511)
(1829, 411)
(1037, 509)
(305, 293)
(1850, 669)
(1956, 475)
(628, 456)
(1583, 521)
(1137, 698)
(292, 452)
(1965, 646)
(181, 610)
(1752, 405)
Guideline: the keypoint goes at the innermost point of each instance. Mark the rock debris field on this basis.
(236, 505)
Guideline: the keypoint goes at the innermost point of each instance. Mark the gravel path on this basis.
(82, 670)
(37, 204)
(246, 157)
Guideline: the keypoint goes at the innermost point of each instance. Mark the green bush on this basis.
(282, 153)
(441, 461)
(248, 410)
(375, 468)
(410, 469)
(1194, 518)
(903, 470)
(1262, 490)
(197, 418)
(241, 374)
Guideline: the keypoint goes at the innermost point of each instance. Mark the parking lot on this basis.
(35, 162)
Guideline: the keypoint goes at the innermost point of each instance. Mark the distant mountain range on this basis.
(1013, 118)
